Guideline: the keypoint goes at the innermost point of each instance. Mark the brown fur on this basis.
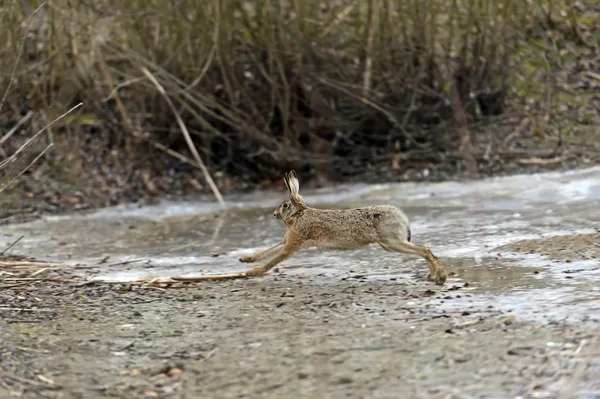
(354, 228)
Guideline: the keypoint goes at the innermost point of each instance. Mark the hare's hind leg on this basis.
(288, 250)
(437, 272)
(260, 255)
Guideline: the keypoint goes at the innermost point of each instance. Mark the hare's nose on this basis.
(275, 214)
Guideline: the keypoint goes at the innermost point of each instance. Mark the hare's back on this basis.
(365, 225)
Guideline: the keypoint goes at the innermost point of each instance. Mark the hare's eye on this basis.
(285, 205)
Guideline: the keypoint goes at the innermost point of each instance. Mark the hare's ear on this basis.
(287, 183)
(293, 185)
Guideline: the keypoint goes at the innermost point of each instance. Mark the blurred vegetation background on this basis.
(337, 89)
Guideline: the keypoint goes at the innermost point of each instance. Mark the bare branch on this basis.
(187, 136)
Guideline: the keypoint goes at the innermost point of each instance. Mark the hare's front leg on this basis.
(260, 255)
(285, 252)
(437, 272)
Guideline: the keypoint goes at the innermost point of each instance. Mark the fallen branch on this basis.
(58, 280)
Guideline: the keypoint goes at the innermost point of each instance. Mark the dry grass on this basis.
(272, 84)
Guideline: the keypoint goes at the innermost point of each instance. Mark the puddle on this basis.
(461, 222)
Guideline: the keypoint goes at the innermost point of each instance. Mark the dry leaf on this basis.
(174, 372)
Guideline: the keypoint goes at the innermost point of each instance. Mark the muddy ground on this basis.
(279, 336)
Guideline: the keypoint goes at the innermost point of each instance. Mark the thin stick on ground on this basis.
(209, 277)
(20, 265)
(191, 279)
(127, 262)
(187, 136)
(11, 245)
(172, 279)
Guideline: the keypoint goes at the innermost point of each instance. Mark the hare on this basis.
(385, 225)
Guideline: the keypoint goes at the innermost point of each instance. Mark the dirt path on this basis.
(566, 247)
(279, 337)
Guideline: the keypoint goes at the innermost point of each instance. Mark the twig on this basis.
(19, 55)
(216, 232)
(542, 161)
(14, 156)
(462, 126)
(211, 55)
(127, 346)
(371, 28)
(187, 136)
(210, 354)
(184, 246)
(16, 264)
(11, 245)
(27, 167)
(6, 287)
(126, 120)
(126, 262)
(26, 381)
(592, 75)
(9, 321)
(174, 154)
(171, 280)
(16, 127)
(338, 19)
(119, 86)
(60, 280)
(209, 277)
(25, 349)
(40, 271)
(179, 279)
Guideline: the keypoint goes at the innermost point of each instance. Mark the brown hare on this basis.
(385, 225)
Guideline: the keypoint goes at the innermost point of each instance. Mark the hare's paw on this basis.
(439, 277)
(247, 258)
(256, 271)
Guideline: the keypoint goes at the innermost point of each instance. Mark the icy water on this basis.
(461, 222)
